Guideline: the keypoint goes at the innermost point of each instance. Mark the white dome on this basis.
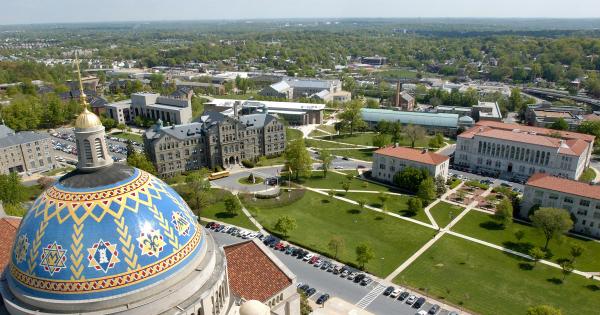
(254, 307)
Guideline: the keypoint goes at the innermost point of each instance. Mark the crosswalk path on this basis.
(371, 296)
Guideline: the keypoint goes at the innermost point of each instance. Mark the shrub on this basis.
(248, 163)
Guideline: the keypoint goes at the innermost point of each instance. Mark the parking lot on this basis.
(369, 296)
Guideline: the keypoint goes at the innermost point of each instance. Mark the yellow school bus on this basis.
(218, 175)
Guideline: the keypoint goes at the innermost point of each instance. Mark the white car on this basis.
(225, 229)
(411, 299)
(421, 312)
(308, 257)
(352, 276)
(395, 293)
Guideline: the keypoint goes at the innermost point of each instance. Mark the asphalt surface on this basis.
(327, 282)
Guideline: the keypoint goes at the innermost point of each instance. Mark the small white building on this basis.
(390, 160)
(580, 199)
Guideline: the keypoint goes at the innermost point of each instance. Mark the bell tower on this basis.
(92, 151)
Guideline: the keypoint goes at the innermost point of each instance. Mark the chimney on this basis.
(235, 109)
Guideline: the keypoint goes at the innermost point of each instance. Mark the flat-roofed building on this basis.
(171, 110)
(390, 160)
(446, 124)
(481, 111)
(545, 115)
(294, 113)
(516, 152)
(582, 200)
(24, 151)
(295, 88)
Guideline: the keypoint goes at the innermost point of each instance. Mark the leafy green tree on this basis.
(285, 225)
(326, 159)
(297, 159)
(352, 116)
(362, 203)
(197, 193)
(567, 267)
(141, 161)
(381, 140)
(536, 253)
(543, 310)
(560, 124)
(426, 190)
(232, 205)
(415, 205)
(440, 185)
(410, 178)
(519, 235)
(12, 190)
(383, 197)
(576, 251)
(364, 254)
(552, 222)
(331, 193)
(504, 212)
(346, 186)
(336, 244)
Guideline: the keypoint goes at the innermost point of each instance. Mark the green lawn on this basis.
(319, 144)
(482, 226)
(279, 160)
(587, 175)
(360, 154)
(292, 134)
(335, 180)
(395, 204)
(320, 218)
(129, 136)
(367, 139)
(58, 171)
(317, 133)
(32, 192)
(488, 281)
(443, 213)
(216, 211)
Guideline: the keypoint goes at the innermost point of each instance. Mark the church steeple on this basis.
(92, 151)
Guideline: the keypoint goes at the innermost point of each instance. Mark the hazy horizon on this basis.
(71, 11)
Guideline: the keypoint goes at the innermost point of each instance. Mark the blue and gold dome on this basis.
(85, 239)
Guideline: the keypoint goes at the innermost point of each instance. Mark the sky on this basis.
(69, 11)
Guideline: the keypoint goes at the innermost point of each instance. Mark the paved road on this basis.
(326, 282)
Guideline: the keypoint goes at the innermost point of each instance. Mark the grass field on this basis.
(216, 211)
(320, 218)
(292, 134)
(317, 133)
(588, 175)
(59, 170)
(482, 226)
(359, 154)
(335, 180)
(443, 213)
(129, 136)
(491, 282)
(395, 204)
(319, 144)
(367, 139)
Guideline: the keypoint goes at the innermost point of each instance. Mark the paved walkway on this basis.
(251, 218)
(442, 198)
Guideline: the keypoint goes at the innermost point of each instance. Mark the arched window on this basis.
(87, 149)
(98, 147)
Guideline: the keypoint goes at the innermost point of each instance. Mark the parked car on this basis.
(352, 276)
(420, 301)
(388, 291)
(310, 292)
(359, 278)
(366, 281)
(395, 293)
(403, 296)
(318, 263)
(325, 265)
(434, 309)
(331, 267)
(344, 273)
(411, 299)
(289, 250)
(279, 246)
(323, 298)
(313, 259)
(304, 287)
(308, 257)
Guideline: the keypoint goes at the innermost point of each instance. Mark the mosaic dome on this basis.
(124, 233)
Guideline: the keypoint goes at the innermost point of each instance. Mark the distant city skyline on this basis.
(71, 11)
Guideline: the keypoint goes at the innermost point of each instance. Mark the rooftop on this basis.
(415, 118)
(20, 138)
(537, 130)
(568, 186)
(8, 231)
(421, 156)
(553, 114)
(270, 105)
(254, 273)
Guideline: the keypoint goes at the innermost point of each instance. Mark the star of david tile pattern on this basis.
(78, 244)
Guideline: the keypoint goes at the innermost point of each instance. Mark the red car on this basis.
(313, 260)
(279, 246)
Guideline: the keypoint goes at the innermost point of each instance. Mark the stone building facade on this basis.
(214, 140)
(25, 151)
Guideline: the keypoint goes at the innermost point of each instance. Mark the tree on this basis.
(567, 267)
(560, 124)
(336, 244)
(381, 140)
(362, 203)
(141, 161)
(326, 159)
(576, 251)
(543, 310)
(352, 115)
(415, 205)
(383, 197)
(232, 205)
(12, 190)
(426, 190)
(331, 193)
(346, 186)
(536, 254)
(551, 222)
(410, 178)
(504, 212)
(196, 194)
(285, 225)
(364, 254)
(414, 133)
(396, 132)
(440, 185)
(305, 308)
(297, 158)
(121, 127)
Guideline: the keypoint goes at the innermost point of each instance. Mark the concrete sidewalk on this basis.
(337, 306)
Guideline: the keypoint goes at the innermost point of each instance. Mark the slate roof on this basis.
(21, 137)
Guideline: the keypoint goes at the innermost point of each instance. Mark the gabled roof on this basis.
(563, 185)
(280, 87)
(254, 273)
(537, 130)
(421, 156)
(8, 231)
(21, 137)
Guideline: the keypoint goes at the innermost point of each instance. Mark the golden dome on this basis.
(87, 119)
